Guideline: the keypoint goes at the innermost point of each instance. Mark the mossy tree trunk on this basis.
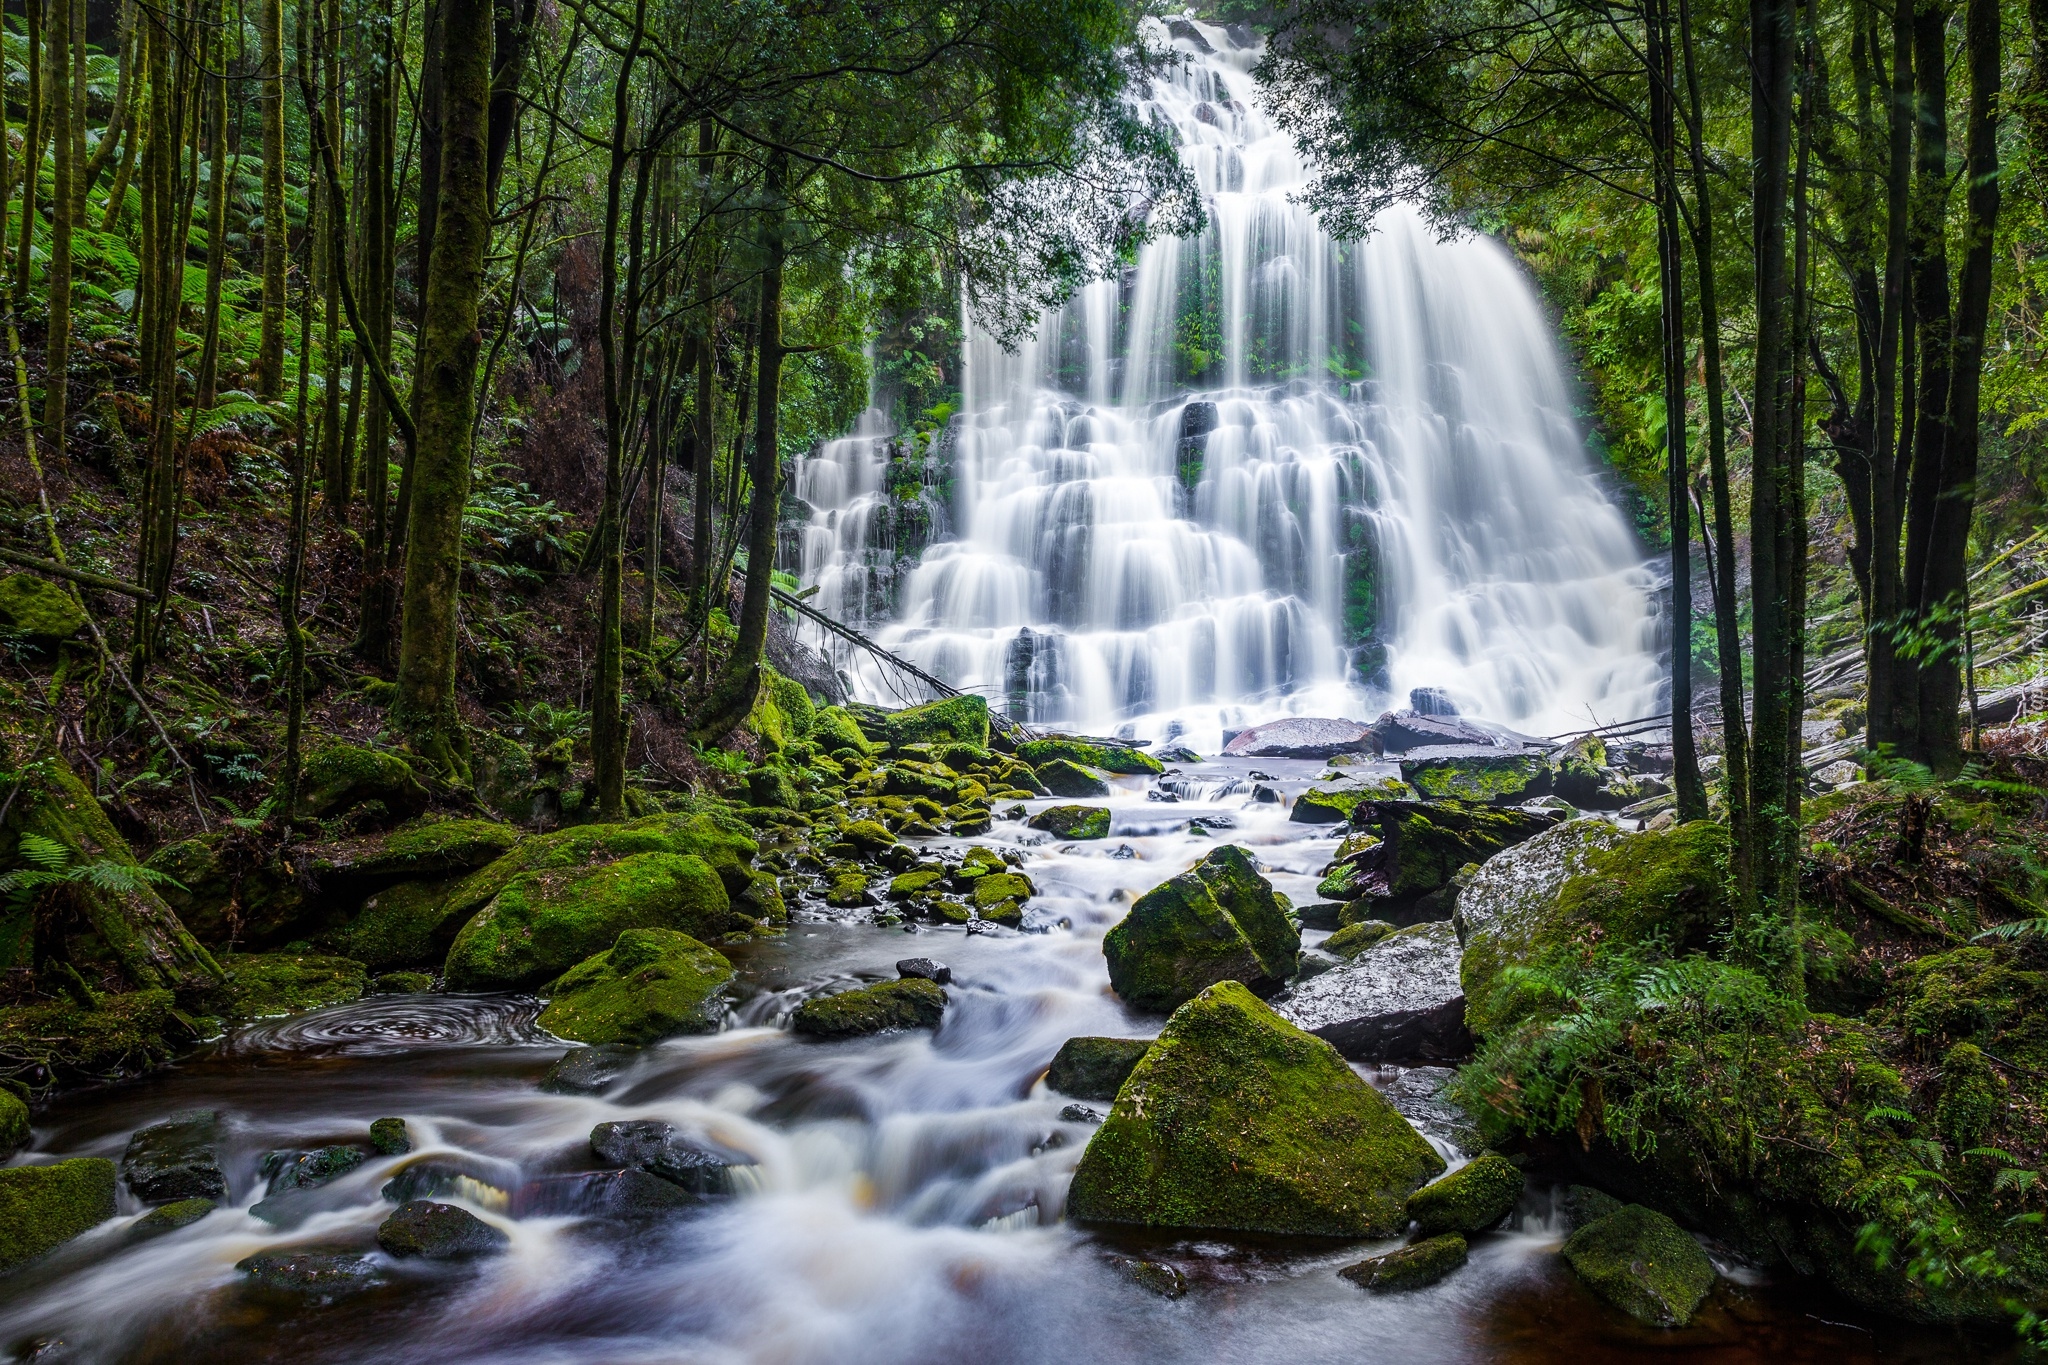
(377, 247)
(270, 101)
(337, 475)
(63, 201)
(32, 134)
(120, 129)
(208, 375)
(444, 401)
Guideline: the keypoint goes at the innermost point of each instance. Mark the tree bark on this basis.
(336, 475)
(270, 99)
(445, 397)
(378, 247)
(63, 201)
(31, 147)
(208, 376)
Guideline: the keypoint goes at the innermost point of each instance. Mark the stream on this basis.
(904, 1198)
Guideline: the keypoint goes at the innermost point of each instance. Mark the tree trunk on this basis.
(445, 397)
(63, 200)
(514, 33)
(1891, 461)
(270, 98)
(122, 120)
(378, 247)
(31, 148)
(216, 221)
(336, 475)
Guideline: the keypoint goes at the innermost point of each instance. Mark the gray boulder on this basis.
(176, 1159)
(1303, 737)
(439, 1232)
(1397, 1000)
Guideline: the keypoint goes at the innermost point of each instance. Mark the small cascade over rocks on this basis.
(1265, 472)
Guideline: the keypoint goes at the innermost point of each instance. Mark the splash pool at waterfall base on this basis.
(904, 1201)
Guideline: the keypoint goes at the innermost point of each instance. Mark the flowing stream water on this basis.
(902, 1196)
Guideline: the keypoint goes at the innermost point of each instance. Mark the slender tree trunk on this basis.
(336, 476)
(270, 98)
(514, 32)
(63, 201)
(444, 401)
(1884, 727)
(122, 120)
(379, 250)
(732, 694)
(31, 147)
(216, 220)
(300, 475)
(78, 112)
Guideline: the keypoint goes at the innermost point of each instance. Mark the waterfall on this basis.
(1265, 472)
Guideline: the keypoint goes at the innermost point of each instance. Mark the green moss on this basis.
(14, 1125)
(1412, 1267)
(389, 1137)
(181, 1213)
(1343, 882)
(544, 922)
(429, 848)
(129, 1032)
(1110, 758)
(868, 834)
(847, 889)
(1073, 822)
(1426, 843)
(782, 714)
(913, 779)
(1642, 1263)
(337, 777)
(958, 720)
(1235, 1120)
(42, 1207)
(407, 925)
(42, 611)
(1328, 805)
(1972, 1097)
(402, 983)
(262, 985)
(649, 985)
(1490, 778)
(1470, 1199)
(709, 833)
(1000, 896)
(910, 883)
(1671, 882)
(834, 728)
(1063, 777)
(1353, 939)
(1218, 921)
(1095, 1068)
(228, 885)
(912, 1002)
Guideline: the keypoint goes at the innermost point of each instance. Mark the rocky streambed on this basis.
(1180, 1096)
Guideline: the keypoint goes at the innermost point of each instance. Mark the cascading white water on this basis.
(1266, 472)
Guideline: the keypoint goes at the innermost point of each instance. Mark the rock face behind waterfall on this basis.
(1235, 1120)
(1398, 1000)
(1218, 921)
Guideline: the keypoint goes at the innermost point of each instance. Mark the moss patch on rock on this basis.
(1235, 1120)
(129, 1032)
(1218, 921)
(263, 985)
(909, 1003)
(42, 1207)
(14, 1124)
(1095, 1068)
(544, 922)
(649, 985)
(1353, 939)
(408, 925)
(1499, 779)
(338, 777)
(1472, 1198)
(1073, 822)
(41, 611)
(1412, 1267)
(955, 720)
(1063, 777)
(1642, 1263)
(1110, 758)
(429, 848)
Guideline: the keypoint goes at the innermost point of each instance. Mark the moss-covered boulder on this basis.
(1218, 921)
(1110, 758)
(1496, 778)
(1333, 804)
(545, 922)
(1407, 875)
(771, 787)
(40, 611)
(1642, 1263)
(14, 1125)
(1064, 777)
(1237, 1121)
(231, 884)
(1470, 1199)
(1353, 939)
(956, 720)
(42, 1207)
(783, 712)
(649, 985)
(265, 985)
(339, 777)
(1073, 822)
(423, 849)
(1000, 896)
(908, 1003)
(126, 1033)
(408, 925)
(1095, 1068)
(1582, 883)
(1412, 1267)
(834, 728)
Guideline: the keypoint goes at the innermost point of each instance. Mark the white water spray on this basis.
(1266, 472)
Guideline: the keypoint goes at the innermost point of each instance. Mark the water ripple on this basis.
(386, 1024)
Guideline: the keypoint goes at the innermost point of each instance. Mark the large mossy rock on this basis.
(834, 728)
(425, 849)
(1642, 1263)
(1218, 921)
(1416, 1266)
(956, 720)
(1470, 1199)
(1110, 758)
(783, 712)
(1095, 1068)
(14, 1125)
(1073, 822)
(544, 922)
(339, 777)
(43, 612)
(1237, 1121)
(1578, 884)
(42, 1207)
(1406, 876)
(266, 985)
(908, 1003)
(229, 884)
(649, 985)
(407, 925)
(1334, 803)
(1064, 777)
(1498, 778)
(712, 833)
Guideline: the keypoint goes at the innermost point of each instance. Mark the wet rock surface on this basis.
(1398, 1000)
(1095, 1068)
(439, 1232)
(1303, 737)
(660, 1150)
(588, 1070)
(176, 1159)
(1218, 921)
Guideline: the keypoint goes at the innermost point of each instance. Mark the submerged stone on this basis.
(176, 1159)
(1412, 1267)
(1218, 921)
(1235, 1120)
(1073, 822)
(389, 1137)
(1095, 1068)
(1642, 1263)
(1470, 1199)
(658, 1149)
(588, 1070)
(42, 1207)
(649, 985)
(902, 1004)
(316, 1272)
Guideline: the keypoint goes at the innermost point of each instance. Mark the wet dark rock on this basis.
(462, 1177)
(1154, 1277)
(631, 1193)
(1094, 1068)
(389, 1137)
(1320, 914)
(925, 968)
(657, 1148)
(1241, 35)
(1186, 31)
(1473, 1198)
(1073, 822)
(1198, 418)
(1303, 737)
(1212, 822)
(1431, 701)
(1177, 753)
(1218, 921)
(304, 1170)
(1421, 1094)
(315, 1272)
(1079, 1113)
(1423, 844)
(1265, 795)
(1642, 1263)
(588, 1070)
(1314, 962)
(1400, 731)
(439, 1232)
(176, 1159)
(902, 1004)
(1123, 853)
(170, 1217)
(1412, 1267)
(1399, 999)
